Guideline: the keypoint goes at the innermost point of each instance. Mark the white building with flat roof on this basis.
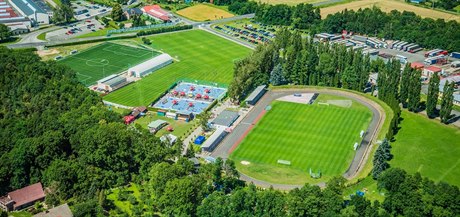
(150, 65)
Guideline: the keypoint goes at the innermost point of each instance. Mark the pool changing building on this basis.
(150, 65)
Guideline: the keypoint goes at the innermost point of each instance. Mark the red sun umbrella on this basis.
(198, 96)
(182, 93)
(170, 129)
(174, 92)
(206, 97)
(174, 102)
(190, 104)
(192, 88)
(207, 90)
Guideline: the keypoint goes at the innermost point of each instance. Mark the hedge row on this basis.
(91, 41)
(165, 29)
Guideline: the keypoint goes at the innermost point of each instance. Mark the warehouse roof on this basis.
(59, 211)
(27, 194)
(433, 69)
(256, 93)
(209, 142)
(226, 118)
(162, 58)
(28, 7)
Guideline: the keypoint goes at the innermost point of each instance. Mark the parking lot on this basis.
(84, 10)
(74, 30)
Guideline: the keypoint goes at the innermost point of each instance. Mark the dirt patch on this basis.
(43, 53)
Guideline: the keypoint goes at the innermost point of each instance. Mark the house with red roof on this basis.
(156, 12)
(22, 198)
(417, 65)
(430, 70)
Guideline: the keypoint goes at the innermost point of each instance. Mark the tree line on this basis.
(406, 26)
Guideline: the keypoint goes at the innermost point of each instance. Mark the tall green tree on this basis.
(117, 12)
(63, 13)
(5, 32)
(414, 91)
(432, 97)
(447, 102)
(405, 84)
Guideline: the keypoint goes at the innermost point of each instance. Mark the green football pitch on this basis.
(105, 59)
(198, 55)
(429, 147)
(314, 136)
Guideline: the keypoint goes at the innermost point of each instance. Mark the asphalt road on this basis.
(361, 155)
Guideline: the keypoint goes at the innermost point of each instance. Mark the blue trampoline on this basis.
(199, 140)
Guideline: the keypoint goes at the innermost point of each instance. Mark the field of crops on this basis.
(202, 12)
(198, 55)
(315, 136)
(387, 6)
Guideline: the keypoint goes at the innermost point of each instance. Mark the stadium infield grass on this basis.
(429, 147)
(204, 12)
(314, 136)
(105, 59)
(198, 55)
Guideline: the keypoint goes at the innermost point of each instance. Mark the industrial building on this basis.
(11, 18)
(36, 10)
(225, 118)
(150, 65)
(112, 83)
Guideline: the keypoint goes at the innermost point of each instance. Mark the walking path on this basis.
(361, 155)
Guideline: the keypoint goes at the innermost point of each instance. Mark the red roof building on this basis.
(417, 65)
(23, 197)
(430, 70)
(156, 12)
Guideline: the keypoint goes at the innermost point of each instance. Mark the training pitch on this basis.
(105, 59)
(198, 55)
(317, 136)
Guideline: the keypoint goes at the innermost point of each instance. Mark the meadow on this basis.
(204, 12)
(314, 136)
(105, 59)
(429, 147)
(387, 6)
(198, 55)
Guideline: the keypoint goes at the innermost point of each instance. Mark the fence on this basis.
(133, 29)
(199, 82)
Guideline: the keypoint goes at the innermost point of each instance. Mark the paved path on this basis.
(361, 155)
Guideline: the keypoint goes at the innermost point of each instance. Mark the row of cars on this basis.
(249, 33)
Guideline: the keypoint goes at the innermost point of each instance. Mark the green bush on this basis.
(165, 29)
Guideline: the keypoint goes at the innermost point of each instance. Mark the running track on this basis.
(243, 128)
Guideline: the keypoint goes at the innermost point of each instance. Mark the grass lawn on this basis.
(368, 186)
(309, 136)
(20, 214)
(204, 12)
(198, 54)
(124, 205)
(429, 147)
(105, 59)
(180, 127)
(387, 6)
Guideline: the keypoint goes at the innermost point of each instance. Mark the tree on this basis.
(414, 91)
(447, 102)
(117, 12)
(63, 13)
(405, 84)
(381, 156)
(5, 32)
(204, 119)
(277, 76)
(433, 94)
